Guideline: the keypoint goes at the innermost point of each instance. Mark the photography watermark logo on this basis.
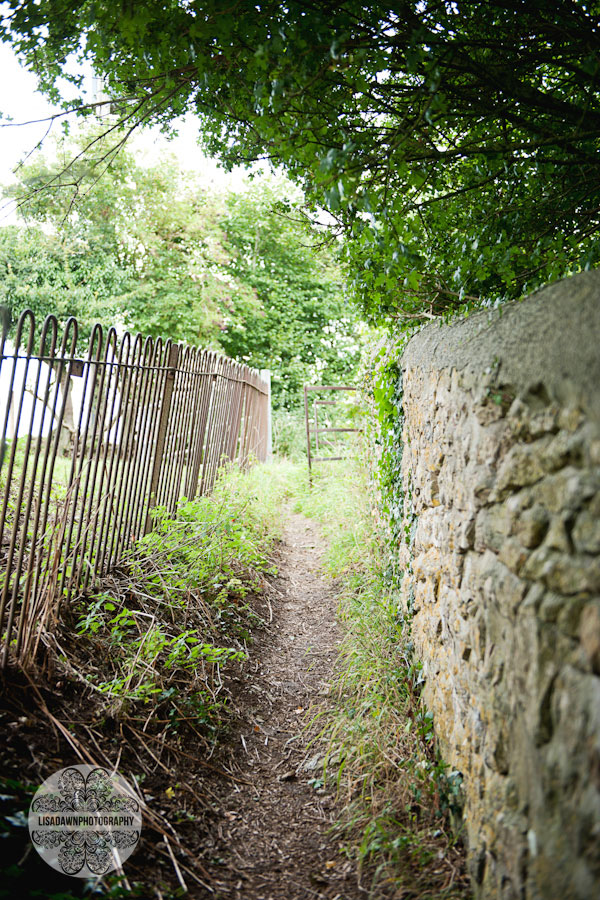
(85, 821)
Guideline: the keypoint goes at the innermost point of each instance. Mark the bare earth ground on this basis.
(273, 838)
(244, 819)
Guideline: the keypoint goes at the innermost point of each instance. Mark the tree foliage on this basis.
(455, 141)
(151, 249)
(47, 274)
(303, 326)
(143, 243)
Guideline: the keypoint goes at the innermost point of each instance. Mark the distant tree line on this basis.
(151, 250)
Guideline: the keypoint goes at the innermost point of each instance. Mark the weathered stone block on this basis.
(513, 555)
(564, 449)
(569, 617)
(492, 526)
(566, 490)
(586, 531)
(522, 466)
(527, 424)
(503, 588)
(531, 525)
(551, 606)
(466, 533)
(533, 600)
(489, 409)
(557, 536)
(483, 479)
(425, 592)
(562, 573)
(570, 418)
(427, 565)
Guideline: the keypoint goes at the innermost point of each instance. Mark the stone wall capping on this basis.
(560, 328)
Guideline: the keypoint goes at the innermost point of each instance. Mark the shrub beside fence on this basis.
(90, 443)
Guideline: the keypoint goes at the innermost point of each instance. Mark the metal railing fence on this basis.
(90, 443)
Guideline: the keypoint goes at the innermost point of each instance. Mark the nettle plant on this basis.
(178, 611)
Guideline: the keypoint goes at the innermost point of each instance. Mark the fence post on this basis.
(308, 453)
(162, 430)
(265, 374)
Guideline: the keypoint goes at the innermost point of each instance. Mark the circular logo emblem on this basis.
(85, 821)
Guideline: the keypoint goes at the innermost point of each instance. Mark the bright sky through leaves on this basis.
(24, 103)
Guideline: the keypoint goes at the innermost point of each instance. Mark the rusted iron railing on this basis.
(316, 429)
(90, 443)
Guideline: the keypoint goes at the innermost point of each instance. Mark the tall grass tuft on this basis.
(397, 793)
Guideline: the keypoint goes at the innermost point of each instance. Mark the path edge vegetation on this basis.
(401, 803)
(398, 799)
(140, 662)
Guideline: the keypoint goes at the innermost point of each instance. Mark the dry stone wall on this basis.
(501, 475)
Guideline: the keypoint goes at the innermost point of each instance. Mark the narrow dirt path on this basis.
(272, 838)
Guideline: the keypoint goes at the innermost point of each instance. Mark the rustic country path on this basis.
(272, 837)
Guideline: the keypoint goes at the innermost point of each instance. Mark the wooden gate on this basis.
(315, 430)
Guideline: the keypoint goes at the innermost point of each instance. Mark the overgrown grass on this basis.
(136, 676)
(289, 435)
(398, 794)
(177, 609)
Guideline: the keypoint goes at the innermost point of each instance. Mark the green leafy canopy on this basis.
(111, 240)
(303, 326)
(456, 143)
(153, 250)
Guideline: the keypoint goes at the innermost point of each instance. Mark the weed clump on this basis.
(137, 675)
(398, 796)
